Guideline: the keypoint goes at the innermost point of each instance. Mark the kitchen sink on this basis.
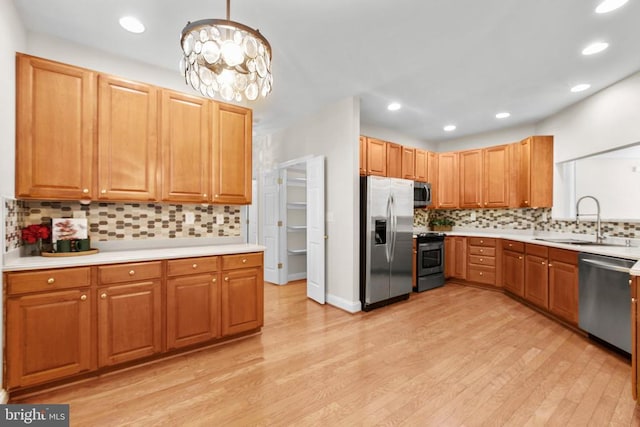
(577, 242)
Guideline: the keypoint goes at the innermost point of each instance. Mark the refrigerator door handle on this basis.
(394, 225)
(387, 247)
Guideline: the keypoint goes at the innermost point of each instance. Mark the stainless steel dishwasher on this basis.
(605, 299)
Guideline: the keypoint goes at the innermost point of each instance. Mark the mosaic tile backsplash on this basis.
(524, 219)
(127, 221)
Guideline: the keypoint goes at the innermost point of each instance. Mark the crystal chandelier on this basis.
(226, 58)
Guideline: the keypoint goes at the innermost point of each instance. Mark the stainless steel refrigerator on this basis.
(386, 233)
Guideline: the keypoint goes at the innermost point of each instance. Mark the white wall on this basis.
(391, 135)
(332, 132)
(487, 139)
(12, 39)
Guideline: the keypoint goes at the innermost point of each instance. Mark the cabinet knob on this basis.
(480, 259)
(550, 265)
(103, 191)
(132, 272)
(630, 281)
(216, 196)
(244, 260)
(51, 280)
(543, 263)
(226, 279)
(214, 280)
(526, 202)
(634, 300)
(85, 190)
(481, 273)
(519, 257)
(204, 194)
(83, 298)
(481, 250)
(510, 245)
(103, 296)
(195, 266)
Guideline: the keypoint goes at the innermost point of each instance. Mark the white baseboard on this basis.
(4, 396)
(297, 276)
(343, 304)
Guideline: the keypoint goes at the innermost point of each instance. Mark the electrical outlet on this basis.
(189, 218)
(472, 216)
(220, 219)
(544, 217)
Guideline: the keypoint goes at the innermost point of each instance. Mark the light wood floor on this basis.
(448, 357)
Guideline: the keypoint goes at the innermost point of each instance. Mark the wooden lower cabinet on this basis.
(49, 336)
(455, 257)
(482, 260)
(242, 293)
(193, 308)
(536, 288)
(129, 322)
(513, 267)
(563, 284)
(635, 323)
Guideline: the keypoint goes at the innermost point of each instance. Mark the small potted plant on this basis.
(32, 236)
(441, 224)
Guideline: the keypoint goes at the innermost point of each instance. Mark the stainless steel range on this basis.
(430, 262)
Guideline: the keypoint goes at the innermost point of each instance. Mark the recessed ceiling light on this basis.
(449, 128)
(503, 115)
(580, 87)
(595, 48)
(394, 106)
(609, 5)
(132, 24)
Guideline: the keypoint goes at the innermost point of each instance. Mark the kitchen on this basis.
(325, 133)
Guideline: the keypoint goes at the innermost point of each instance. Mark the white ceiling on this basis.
(445, 61)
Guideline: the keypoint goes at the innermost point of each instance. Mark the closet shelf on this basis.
(297, 182)
(297, 205)
(296, 227)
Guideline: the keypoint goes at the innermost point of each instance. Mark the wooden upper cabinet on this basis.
(394, 160)
(127, 140)
(421, 166)
(514, 175)
(55, 132)
(409, 163)
(432, 177)
(363, 155)
(536, 172)
(186, 143)
(470, 167)
(496, 177)
(231, 183)
(447, 194)
(376, 157)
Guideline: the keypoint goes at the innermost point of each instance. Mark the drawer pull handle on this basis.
(195, 265)
(83, 298)
(214, 280)
(481, 250)
(103, 296)
(510, 245)
(481, 273)
(244, 260)
(226, 279)
(132, 272)
(51, 280)
(519, 257)
(204, 195)
(103, 191)
(85, 191)
(480, 259)
(543, 263)
(481, 241)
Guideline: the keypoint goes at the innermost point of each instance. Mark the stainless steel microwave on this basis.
(421, 194)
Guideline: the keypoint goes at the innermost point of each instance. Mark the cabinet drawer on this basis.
(485, 275)
(47, 280)
(481, 250)
(563, 255)
(514, 246)
(482, 241)
(230, 262)
(181, 267)
(537, 250)
(129, 272)
(482, 260)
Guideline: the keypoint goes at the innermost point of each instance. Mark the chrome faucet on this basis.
(599, 236)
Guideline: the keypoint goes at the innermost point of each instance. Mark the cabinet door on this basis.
(192, 310)
(48, 337)
(127, 140)
(55, 117)
(513, 272)
(376, 157)
(186, 142)
(421, 169)
(496, 177)
(232, 155)
(394, 160)
(460, 264)
(242, 300)
(536, 288)
(470, 166)
(541, 171)
(363, 155)
(432, 177)
(129, 322)
(524, 179)
(514, 175)
(447, 194)
(449, 256)
(409, 163)
(563, 290)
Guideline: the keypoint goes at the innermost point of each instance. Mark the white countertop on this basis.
(631, 252)
(131, 255)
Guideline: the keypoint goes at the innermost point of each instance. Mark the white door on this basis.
(315, 229)
(270, 218)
